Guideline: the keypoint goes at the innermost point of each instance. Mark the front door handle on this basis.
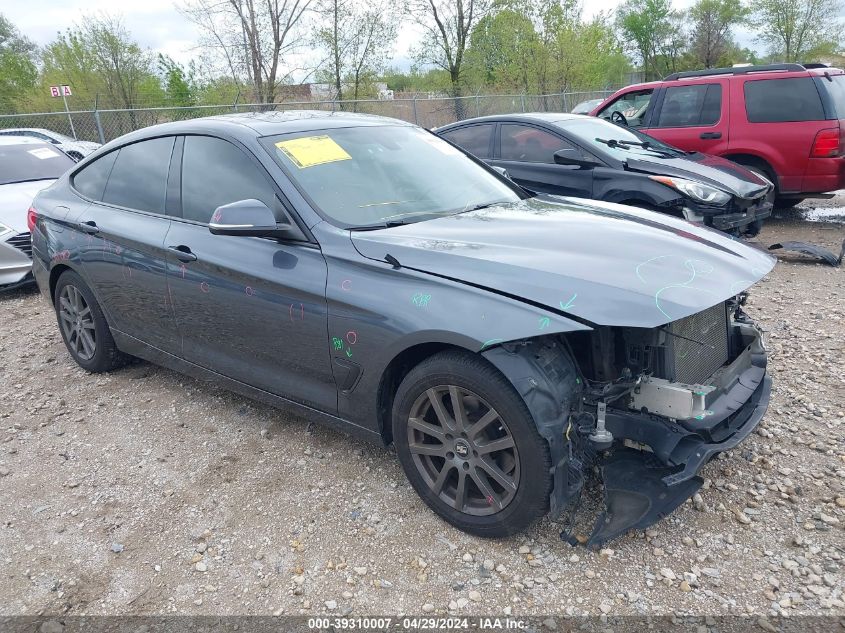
(710, 135)
(182, 253)
(90, 227)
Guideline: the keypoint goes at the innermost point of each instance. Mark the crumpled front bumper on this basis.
(643, 486)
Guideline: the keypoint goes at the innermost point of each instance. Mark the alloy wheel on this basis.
(77, 322)
(464, 450)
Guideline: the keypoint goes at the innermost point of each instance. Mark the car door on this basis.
(120, 236)
(693, 116)
(527, 153)
(250, 308)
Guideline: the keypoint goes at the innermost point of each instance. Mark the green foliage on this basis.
(18, 72)
(178, 82)
(712, 21)
(798, 30)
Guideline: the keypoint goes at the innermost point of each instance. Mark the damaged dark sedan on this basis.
(364, 273)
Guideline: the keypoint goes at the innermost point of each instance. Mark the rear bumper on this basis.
(823, 175)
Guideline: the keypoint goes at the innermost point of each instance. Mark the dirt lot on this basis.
(146, 492)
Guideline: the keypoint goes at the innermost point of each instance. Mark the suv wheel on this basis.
(469, 446)
(83, 326)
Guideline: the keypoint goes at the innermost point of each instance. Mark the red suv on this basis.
(786, 121)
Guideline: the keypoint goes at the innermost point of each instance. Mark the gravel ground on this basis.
(145, 492)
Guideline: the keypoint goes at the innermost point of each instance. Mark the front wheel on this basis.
(469, 446)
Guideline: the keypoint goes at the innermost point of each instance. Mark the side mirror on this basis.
(502, 172)
(571, 156)
(249, 218)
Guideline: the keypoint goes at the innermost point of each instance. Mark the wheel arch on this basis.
(56, 272)
(754, 160)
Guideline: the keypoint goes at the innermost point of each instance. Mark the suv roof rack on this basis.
(737, 70)
(815, 65)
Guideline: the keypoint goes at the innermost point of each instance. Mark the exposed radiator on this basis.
(700, 345)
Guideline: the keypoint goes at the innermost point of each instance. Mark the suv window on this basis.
(91, 180)
(138, 179)
(529, 144)
(687, 106)
(836, 89)
(214, 173)
(475, 139)
(631, 105)
(780, 100)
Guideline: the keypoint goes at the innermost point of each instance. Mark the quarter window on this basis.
(475, 139)
(91, 180)
(780, 100)
(138, 179)
(214, 173)
(689, 106)
(529, 144)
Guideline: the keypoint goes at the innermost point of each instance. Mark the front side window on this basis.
(475, 139)
(91, 180)
(688, 106)
(369, 176)
(782, 100)
(529, 144)
(138, 178)
(214, 173)
(629, 108)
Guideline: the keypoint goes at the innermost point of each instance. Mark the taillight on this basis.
(31, 218)
(826, 144)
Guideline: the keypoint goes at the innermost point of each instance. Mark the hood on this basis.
(603, 263)
(712, 170)
(15, 200)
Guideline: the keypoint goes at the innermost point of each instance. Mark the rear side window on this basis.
(529, 144)
(214, 173)
(836, 89)
(689, 106)
(91, 180)
(138, 179)
(475, 139)
(781, 100)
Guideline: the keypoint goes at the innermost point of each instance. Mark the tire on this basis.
(755, 227)
(787, 203)
(83, 326)
(487, 508)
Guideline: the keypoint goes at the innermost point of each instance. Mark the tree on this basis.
(798, 30)
(18, 72)
(179, 84)
(253, 37)
(500, 51)
(447, 25)
(357, 40)
(712, 21)
(649, 29)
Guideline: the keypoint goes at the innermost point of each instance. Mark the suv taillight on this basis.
(31, 218)
(826, 144)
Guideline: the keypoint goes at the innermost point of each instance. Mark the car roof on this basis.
(521, 117)
(11, 139)
(252, 124)
(43, 130)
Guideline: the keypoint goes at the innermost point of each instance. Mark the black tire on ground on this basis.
(83, 326)
(787, 203)
(445, 453)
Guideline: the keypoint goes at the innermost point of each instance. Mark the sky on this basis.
(156, 24)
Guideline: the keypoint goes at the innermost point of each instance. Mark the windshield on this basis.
(588, 129)
(31, 161)
(372, 176)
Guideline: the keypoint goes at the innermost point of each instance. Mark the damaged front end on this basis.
(649, 407)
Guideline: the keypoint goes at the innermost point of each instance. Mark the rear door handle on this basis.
(182, 253)
(709, 135)
(90, 227)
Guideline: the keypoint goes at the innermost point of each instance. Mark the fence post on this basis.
(416, 121)
(97, 119)
(522, 99)
(477, 105)
(235, 104)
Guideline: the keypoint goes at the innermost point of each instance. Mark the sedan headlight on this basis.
(698, 191)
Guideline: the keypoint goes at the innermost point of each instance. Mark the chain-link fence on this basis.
(104, 125)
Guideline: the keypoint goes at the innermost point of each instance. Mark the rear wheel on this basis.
(469, 446)
(83, 327)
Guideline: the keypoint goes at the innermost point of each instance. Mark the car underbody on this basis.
(647, 407)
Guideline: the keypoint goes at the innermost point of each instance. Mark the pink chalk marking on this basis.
(204, 287)
(182, 269)
(351, 337)
(249, 291)
(301, 312)
(345, 284)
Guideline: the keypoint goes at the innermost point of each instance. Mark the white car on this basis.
(27, 166)
(73, 148)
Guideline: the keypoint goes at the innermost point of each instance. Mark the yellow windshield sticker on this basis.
(313, 150)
